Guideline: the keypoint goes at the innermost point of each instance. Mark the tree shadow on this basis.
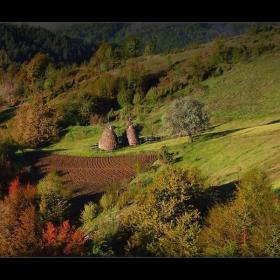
(223, 192)
(7, 114)
(178, 159)
(78, 203)
(272, 122)
(219, 134)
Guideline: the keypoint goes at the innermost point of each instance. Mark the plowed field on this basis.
(86, 176)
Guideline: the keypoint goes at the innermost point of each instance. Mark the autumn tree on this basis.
(166, 221)
(246, 226)
(53, 199)
(34, 124)
(62, 240)
(10, 88)
(18, 224)
(185, 116)
(37, 66)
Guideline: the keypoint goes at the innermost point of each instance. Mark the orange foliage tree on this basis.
(63, 240)
(18, 226)
(14, 186)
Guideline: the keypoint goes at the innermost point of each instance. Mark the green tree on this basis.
(4, 59)
(198, 68)
(125, 97)
(185, 116)
(253, 29)
(90, 212)
(131, 47)
(54, 199)
(85, 108)
(246, 226)
(168, 61)
(150, 48)
(51, 74)
(8, 164)
(164, 156)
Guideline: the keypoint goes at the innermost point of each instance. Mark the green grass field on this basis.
(244, 106)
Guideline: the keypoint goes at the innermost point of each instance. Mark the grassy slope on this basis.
(244, 106)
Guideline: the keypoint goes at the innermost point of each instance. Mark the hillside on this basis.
(75, 42)
(244, 108)
(128, 201)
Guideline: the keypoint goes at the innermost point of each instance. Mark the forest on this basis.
(201, 177)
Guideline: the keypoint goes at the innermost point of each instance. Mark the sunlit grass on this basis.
(244, 106)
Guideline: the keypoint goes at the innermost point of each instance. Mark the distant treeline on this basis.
(22, 42)
(76, 42)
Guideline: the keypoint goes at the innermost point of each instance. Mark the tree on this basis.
(198, 68)
(37, 67)
(104, 55)
(54, 199)
(35, 124)
(131, 47)
(185, 116)
(246, 226)
(8, 164)
(164, 156)
(166, 221)
(18, 224)
(4, 59)
(63, 240)
(150, 48)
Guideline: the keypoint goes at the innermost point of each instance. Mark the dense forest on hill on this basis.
(207, 104)
(76, 42)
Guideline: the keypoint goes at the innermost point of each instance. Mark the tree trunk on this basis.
(190, 137)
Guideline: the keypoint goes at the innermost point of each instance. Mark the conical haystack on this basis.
(131, 134)
(109, 139)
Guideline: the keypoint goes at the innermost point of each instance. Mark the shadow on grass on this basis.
(225, 191)
(7, 114)
(272, 122)
(63, 132)
(77, 206)
(217, 134)
(178, 159)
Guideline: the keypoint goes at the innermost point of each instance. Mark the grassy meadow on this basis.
(244, 108)
(245, 118)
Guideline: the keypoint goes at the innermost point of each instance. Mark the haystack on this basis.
(131, 134)
(108, 140)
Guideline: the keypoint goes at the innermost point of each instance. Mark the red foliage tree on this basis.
(18, 226)
(64, 240)
(14, 186)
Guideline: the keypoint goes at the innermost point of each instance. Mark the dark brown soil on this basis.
(88, 177)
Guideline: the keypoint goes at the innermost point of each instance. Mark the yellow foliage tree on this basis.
(34, 125)
(165, 223)
(247, 226)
